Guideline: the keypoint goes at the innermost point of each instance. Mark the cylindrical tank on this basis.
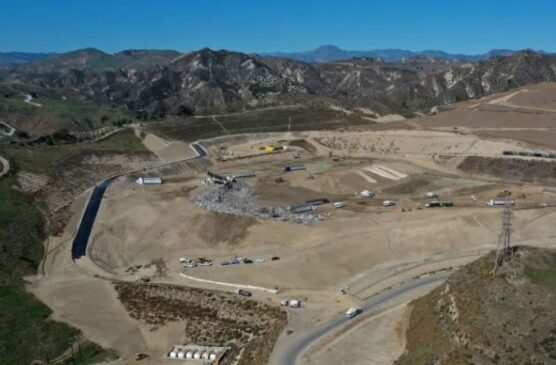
(212, 356)
(205, 355)
(173, 354)
(180, 355)
(197, 355)
(189, 355)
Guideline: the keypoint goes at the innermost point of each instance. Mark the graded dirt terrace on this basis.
(140, 224)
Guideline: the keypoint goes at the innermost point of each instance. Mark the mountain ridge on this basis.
(208, 81)
(328, 53)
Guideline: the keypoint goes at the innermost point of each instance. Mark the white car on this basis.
(339, 205)
(353, 311)
(388, 203)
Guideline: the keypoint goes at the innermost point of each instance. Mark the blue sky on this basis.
(469, 26)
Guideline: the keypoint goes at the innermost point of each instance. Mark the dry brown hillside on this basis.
(478, 318)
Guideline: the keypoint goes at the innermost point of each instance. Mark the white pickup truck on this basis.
(352, 312)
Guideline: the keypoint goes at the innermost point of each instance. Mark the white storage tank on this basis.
(189, 355)
(197, 355)
(212, 357)
(205, 355)
(173, 354)
(181, 355)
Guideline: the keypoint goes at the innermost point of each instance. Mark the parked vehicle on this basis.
(295, 303)
(388, 203)
(243, 292)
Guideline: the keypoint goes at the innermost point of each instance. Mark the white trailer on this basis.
(149, 180)
(431, 194)
(500, 202)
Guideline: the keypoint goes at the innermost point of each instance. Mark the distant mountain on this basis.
(93, 59)
(332, 53)
(18, 58)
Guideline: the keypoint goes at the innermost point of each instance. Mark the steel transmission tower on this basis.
(503, 248)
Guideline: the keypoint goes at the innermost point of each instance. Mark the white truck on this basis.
(388, 203)
(353, 311)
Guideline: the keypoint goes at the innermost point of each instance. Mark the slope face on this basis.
(476, 318)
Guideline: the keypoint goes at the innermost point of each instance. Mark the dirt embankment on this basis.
(510, 168)
(209, 317)
(479, 318)
(4, 166)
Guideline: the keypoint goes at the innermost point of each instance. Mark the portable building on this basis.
(367, 194)
(149, 181)
(499, 202)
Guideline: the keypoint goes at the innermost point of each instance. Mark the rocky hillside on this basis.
(478, 318)
(208, 81)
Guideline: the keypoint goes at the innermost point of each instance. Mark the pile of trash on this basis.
(239, 199)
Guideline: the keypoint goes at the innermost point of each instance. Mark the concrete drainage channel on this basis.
(81, 239)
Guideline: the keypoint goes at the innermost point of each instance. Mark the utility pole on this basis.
(503, 248)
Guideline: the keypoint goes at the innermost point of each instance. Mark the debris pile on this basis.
(239, 199)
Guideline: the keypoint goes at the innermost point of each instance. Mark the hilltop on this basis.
(478, 318)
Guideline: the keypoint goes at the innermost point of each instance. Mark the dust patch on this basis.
(215, 228)
(412, 185)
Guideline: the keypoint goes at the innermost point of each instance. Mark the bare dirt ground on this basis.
(363, 247)
(168, 151)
